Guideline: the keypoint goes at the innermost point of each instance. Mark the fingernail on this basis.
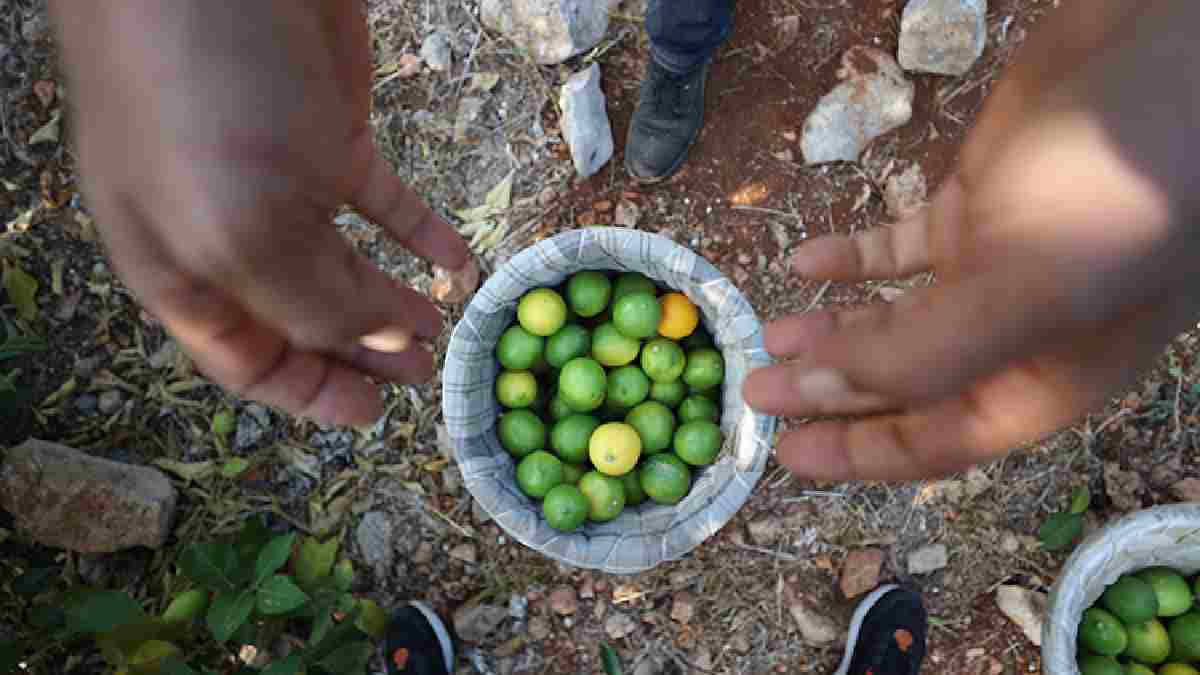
(822, 385)
(800, 263)
(389, 340)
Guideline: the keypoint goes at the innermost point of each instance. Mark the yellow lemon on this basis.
(679, 316)
(615, 448)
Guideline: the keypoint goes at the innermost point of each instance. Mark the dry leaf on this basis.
(455, 286)
(22, 290)
(189, 471)
(484, 81)
(50, 132)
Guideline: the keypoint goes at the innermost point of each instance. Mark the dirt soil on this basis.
(744, 201)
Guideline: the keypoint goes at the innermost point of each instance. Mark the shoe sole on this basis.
(439, 630)
(860, 615)
(655, 180)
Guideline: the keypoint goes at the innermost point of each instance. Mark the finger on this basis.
(1002, 412)
(412, 365)
(385, 199)
(790, 337)
(884, 252)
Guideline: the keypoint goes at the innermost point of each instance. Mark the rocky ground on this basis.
(461, 109)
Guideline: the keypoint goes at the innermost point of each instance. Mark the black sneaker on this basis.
(417, 643)
(887, 636)
(667, 121)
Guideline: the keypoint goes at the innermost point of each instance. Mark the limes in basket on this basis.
(1148, 642)
(569, 437)
(521, 432)
(582, 385)
(705, 369)
(630, 283)
(542, 312)
(628, 386)
(519, 349)
(605, 495)
(589, 292)
(663, 360)
(570, 342)
(1131, 600)
(665, 478)
(516, 389)
(655, 425)
(538, 473)
(615, 448)
(679, 316)
(698, 407)
(565, 507)
(1171, 589)
(636, 315)
(611, 348)
(1094, 664)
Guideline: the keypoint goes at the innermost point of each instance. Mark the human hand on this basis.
(216, 140)
(1065, 246)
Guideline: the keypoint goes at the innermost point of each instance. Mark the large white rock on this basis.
(585, 124)
(552, 31)
(873, 99)
(1025, 608)
(944, 37)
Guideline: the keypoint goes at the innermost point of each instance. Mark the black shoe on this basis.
(667, 121)
(417, 643)
(887, 636)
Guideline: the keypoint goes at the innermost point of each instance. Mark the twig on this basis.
(773, 212)
(787, 557)
(820, 294)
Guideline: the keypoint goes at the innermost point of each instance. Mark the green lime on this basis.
(613, 412)
(572, 342)
(665, 478)
(539, 472)
(698, 408)
(582, 384)
(1185, 637)
(1178, 669)
(637, 315)
(1148, 642)
(1134, 668)
(698, 443)
(663, 360)
(628, 386)
(605, 495)
(565, 508)
(1101, 633)
(542, 312)
(705, 369)
(521, 432)
(572, 473)
(1174, 595)
(559, 409)
(569, 437)
(611, 348)
(634, 494)
(670, 394)
(713, 394)
(516, 389)
(655, 423)
(589, 293)
(1092, 664)
(518, 349)
(630, 283)
(699, 339)
(1131, 600)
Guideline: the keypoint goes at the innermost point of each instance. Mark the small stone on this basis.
(469, 111)
(618, 625)
(928, 559)
(539, 628)
(683, 607)
(740, 642)
(424, 554)
(1123, 487)
(944, 37)
(36, 27)
(374, 538)
(408, 66)
(1186, 490)
(475, 623)
(860, 573)
(1009, 543)
(464, 553)
(563, 600)
(627, 214)
(510, 648)
(703, 659)
(765, 531)
(253, 423)
(1025, 608)
(110, 402)
(552, 31)
(63, 498)
(816, 629)
(435, 50)
(649, 666)
(585, 124)
(164, 357)
(518, 607)
(873, 99)
(86, 404)
(905, 193)
(586, 591)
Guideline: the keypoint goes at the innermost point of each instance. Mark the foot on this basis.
(667, 121)
(417, 643)
(887, 635)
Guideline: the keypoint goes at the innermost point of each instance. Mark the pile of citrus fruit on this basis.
(1145, 621)
(611, 395)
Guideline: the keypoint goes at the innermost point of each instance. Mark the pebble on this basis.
(944, 37)
(683, 607)
(539, 628)
(816, 629)
(474, 623)
(649, 666)
(928, 559)
(253, 423)
(873, 99)
(518, 607)
(110, 401)
(374, 538)
(1186, 490)
(409, 66)
(618, 625)
(86, 404)
(563, 600)
(424, 554)
(469, 111)
(860, 573)
(435, 51)
(906, 192)
(586, 591)
(627, 214)
(1123, 487)
(551, 31)
(464, 553)
(740, 642)
(765, 531)
(600, 609)
(585, 123)
(1025, 608)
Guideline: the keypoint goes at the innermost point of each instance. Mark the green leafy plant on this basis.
(245, 594)
(610, 660)
(1062, 529)
(15, 346)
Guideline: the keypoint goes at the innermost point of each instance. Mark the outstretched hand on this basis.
(216, 141)
(1065, 247)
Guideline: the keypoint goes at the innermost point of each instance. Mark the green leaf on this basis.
(315, 562)
(22, 291)
(346, 603)
(250, 540)
(224, 423)
(228, 613)
(289, 666)
(272, 557)
(339, 634)
(173, 666)
(103, 611)
(608, 657)
(350, 658)
(343, 575)
(372, 620)
(1060, 531)
(35, 581)
(235, 467)
(322, 622)
(186, 606)
(278, 595)
(46, 617)
(12, 347)
(212, 565)
(1081, 499)
(151, 653)
(11, 654)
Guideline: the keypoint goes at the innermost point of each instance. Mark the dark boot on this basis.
(667, 121)
(887, 635)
